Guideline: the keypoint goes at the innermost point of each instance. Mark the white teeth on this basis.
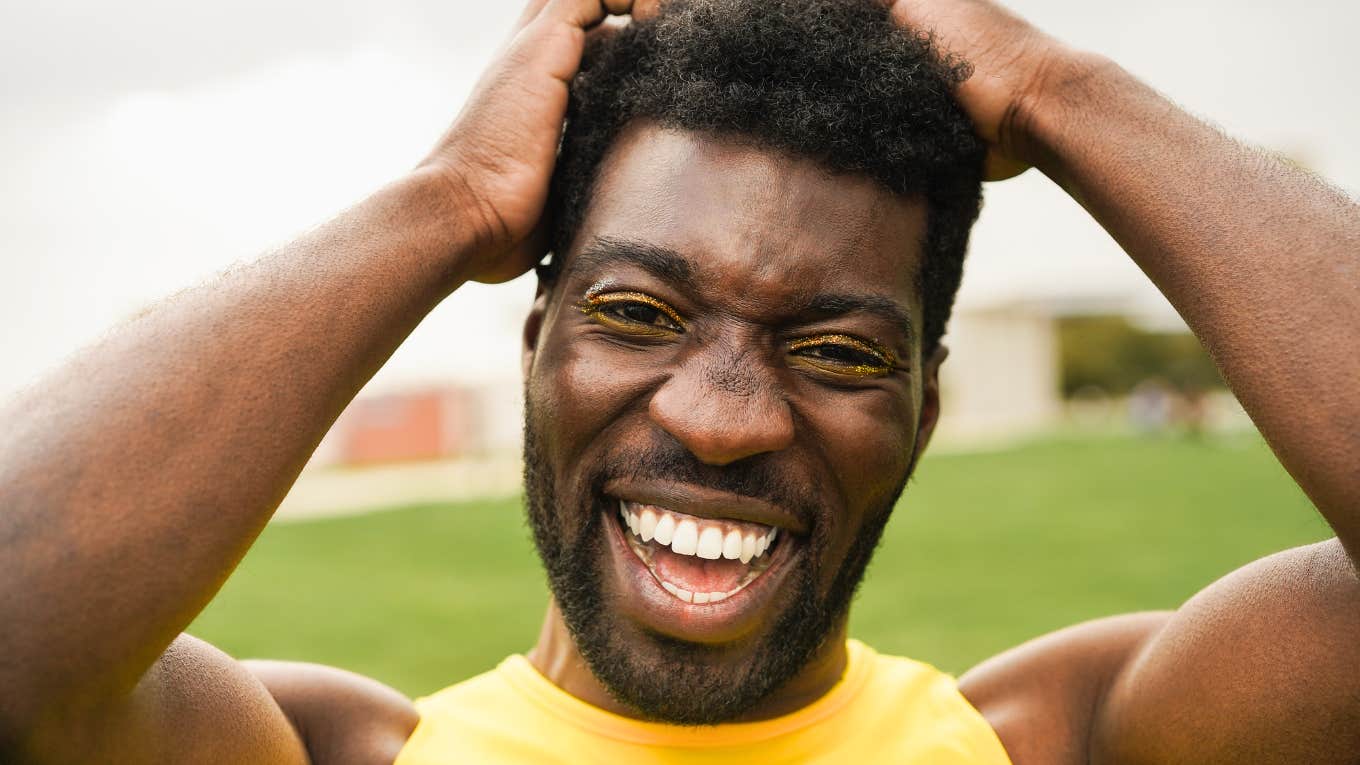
(710, 543)
(697, 597)
(686, 539)
(684, 595)
(647, 525)
(700, 598)
(731, 547)
(665, 529)
(686, 535)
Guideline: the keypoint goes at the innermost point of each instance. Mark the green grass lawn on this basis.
(985, 550)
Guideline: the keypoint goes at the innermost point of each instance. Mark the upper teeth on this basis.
(689, 535)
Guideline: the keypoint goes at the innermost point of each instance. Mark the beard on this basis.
(661, 677)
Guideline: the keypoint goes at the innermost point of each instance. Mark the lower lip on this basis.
(642, 598)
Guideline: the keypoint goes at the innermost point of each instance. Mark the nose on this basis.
(724, 407)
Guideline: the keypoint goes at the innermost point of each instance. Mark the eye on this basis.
(843, 354)
(640, 313)
(634, 312)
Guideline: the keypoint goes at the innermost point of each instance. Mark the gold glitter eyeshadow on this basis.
(889, 362)
(595, 301)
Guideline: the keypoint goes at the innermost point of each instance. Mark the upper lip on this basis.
(708, 503)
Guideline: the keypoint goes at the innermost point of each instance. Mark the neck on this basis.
(556, 657)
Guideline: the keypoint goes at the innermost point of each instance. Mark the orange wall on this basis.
(393, 429)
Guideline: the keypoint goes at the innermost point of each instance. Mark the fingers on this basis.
(644, 9)
(585, 13)
(551, 33)
(530, 12)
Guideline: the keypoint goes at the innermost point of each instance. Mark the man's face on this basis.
(729, 363)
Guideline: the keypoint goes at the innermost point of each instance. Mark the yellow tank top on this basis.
(884, 709)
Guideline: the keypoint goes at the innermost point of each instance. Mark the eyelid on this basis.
(873, 349)
(594, 300)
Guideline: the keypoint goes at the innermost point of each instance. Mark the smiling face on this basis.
(725, 397)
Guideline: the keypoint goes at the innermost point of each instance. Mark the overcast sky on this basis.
(148, 144)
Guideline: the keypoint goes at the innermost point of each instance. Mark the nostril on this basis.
(722, 429)
(723, 411)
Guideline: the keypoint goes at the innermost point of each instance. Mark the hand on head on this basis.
(498, 156)
(1010, 59)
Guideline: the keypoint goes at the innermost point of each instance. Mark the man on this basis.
(758, 224)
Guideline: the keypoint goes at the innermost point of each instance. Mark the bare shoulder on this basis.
(341, 717)
(194, 704)
(198, 704)
(1041, 697)
(1262, 666)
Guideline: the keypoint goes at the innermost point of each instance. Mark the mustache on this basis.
(759, 476)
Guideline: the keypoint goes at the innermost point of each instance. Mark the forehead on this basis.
(755, 221)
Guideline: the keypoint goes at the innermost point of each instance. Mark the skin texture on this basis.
(731, 389)
(118, 527)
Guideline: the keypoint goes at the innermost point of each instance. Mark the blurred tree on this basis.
(1113, 355)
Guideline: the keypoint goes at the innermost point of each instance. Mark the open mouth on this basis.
(699, 560)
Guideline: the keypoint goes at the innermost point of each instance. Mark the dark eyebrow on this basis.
(662, 262)
(670, 266)
(830, 306)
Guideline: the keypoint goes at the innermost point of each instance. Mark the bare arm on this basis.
(1260, 667)
(134, 479)
(1263, 262)
(1261, 258)
(341, 718)
(1040, 697)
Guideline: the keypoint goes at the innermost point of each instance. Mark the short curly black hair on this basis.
(836, 81)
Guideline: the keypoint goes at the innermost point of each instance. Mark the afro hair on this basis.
(835, 81)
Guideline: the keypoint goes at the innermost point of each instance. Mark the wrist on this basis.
(451, 217)
(1063, 94)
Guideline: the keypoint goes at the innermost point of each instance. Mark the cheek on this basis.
(868, 451)
(578, 390)
(868, 447)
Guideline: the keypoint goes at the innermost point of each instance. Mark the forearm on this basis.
(1260, 258)
(134, 479)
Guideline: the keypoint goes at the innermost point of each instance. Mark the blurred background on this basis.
(1089, 460)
